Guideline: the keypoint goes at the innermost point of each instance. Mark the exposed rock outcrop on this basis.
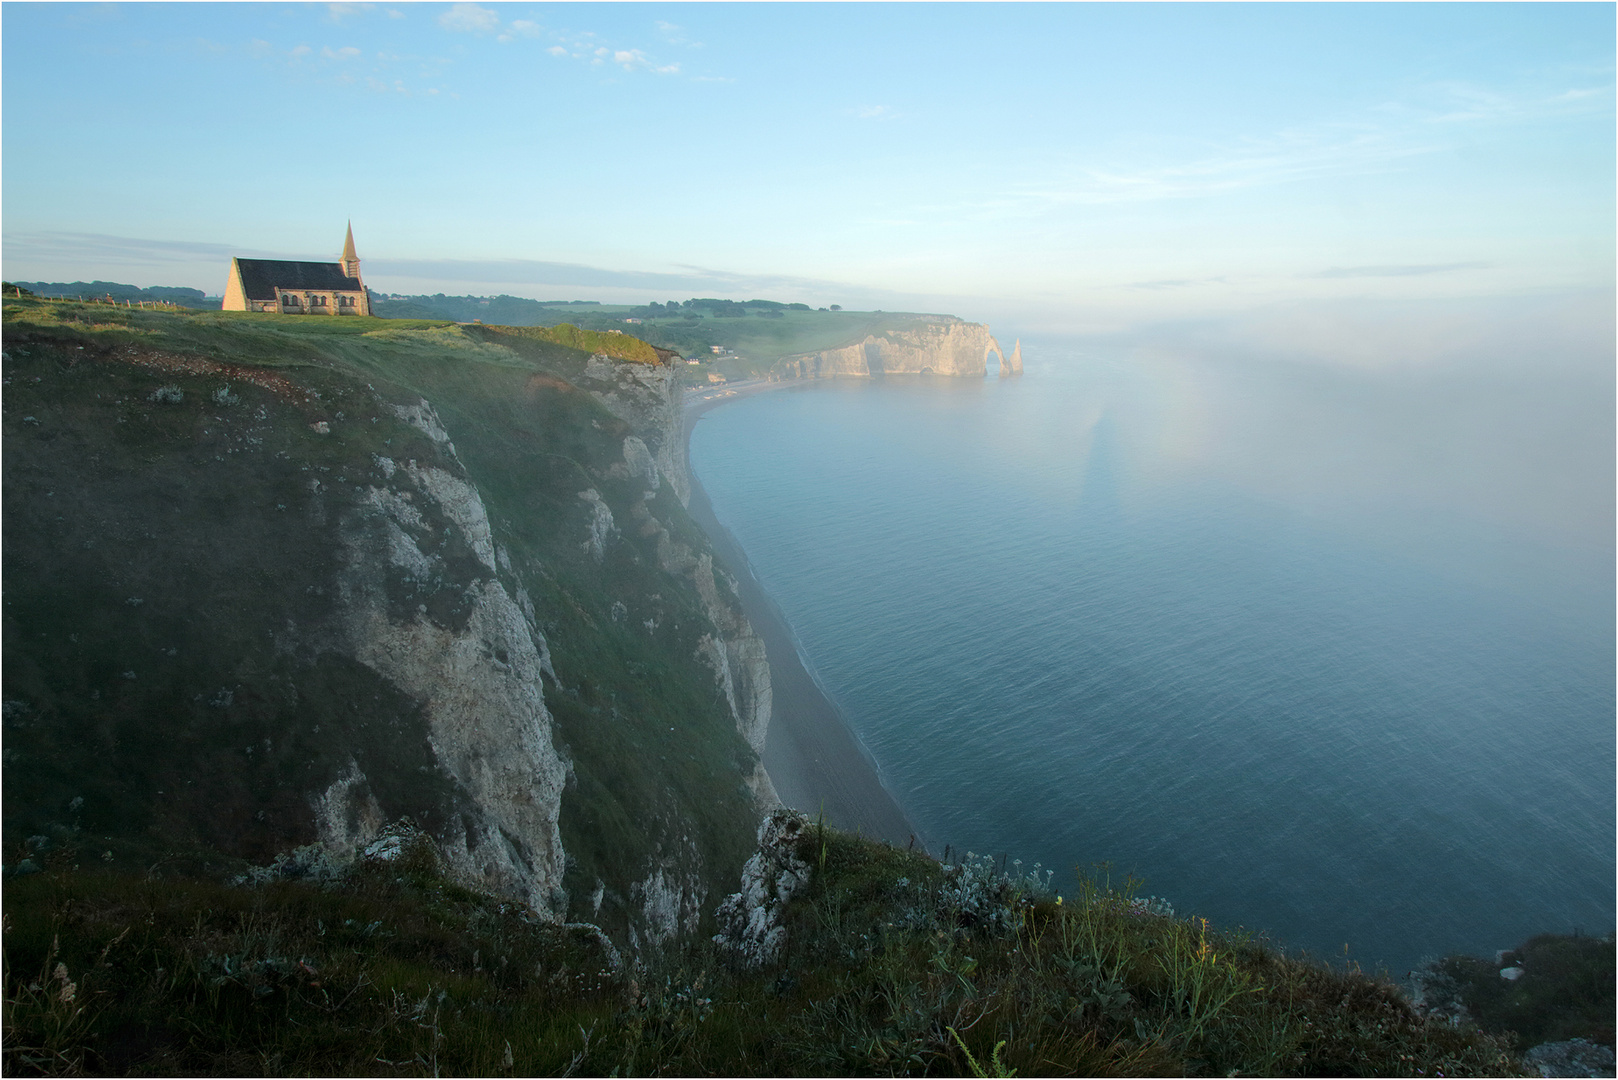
(937, 346)
(1012, 365)
(476, 672)
(750, 920)
(645, 396)
(601, 527)
(1575, 1057)
(671, 900)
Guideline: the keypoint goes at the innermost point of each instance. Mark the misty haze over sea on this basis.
(1320, 650)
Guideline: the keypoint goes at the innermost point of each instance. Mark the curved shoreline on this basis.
(812, 756)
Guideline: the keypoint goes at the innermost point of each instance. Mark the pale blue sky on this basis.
(1132, 161)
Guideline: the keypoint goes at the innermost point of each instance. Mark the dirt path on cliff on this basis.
(812, 755)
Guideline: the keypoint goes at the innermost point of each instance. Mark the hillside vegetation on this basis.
(754, 334)
(207, 647)
(891, 965)
(112, 290)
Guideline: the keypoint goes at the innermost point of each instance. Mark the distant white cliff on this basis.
(937, 345)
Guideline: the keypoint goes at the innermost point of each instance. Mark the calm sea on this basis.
(1323, 653)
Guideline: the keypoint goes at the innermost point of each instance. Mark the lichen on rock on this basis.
(751, 919)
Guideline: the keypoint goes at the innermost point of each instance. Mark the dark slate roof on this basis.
(260, 277)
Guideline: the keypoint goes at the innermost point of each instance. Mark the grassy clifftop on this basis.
(616, 344)
(753, 335)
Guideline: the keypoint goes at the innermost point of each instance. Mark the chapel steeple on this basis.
(351, 261)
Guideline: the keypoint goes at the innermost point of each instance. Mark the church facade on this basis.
(299, 288)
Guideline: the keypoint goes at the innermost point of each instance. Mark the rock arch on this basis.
(1012, 365)
(1009, 364)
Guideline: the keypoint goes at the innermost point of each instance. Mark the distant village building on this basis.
(299, 288)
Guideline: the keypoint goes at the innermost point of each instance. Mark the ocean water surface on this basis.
(1327, 654)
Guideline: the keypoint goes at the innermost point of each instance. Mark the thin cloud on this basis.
(1467, 103)
(100, 247)
(1173, 283)
(1475, 103)
(675, 35)
(347, 52)
(1255, 163)
(1399, 270)
(1385, 138)
(873, 112)
(587, 46)
(635, 60)
(339, 12)
(469, 19)
(694, 280)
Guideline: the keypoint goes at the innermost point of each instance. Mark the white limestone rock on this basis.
(1575, 1057)
(479, 685)
(751, 919)
(601, 527)
(943, 347)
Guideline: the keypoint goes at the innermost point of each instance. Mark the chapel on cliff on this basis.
(299, 288)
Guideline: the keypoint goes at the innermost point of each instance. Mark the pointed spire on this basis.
(351, 259)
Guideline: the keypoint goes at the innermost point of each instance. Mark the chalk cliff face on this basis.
(477, 675)
(938, 346)
(647, 398)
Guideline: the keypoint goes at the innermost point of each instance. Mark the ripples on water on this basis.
(1194, 623)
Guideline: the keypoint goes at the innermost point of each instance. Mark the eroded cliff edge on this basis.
(265, 590)
(932, 344)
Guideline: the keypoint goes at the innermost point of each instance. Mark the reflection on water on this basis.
(1321, 652)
